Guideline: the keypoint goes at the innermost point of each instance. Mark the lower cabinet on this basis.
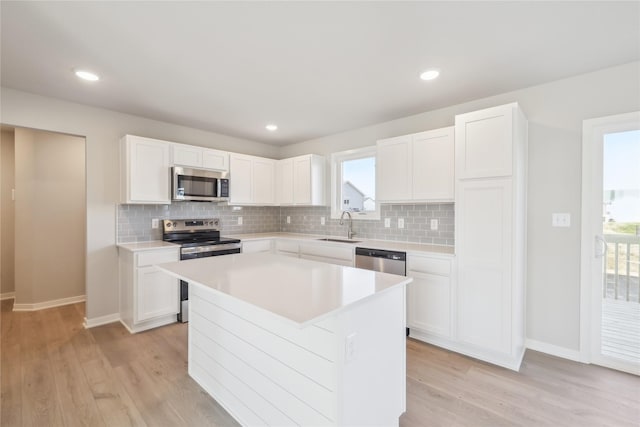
(253, 246)
(430, 297)
(329, 253)
(148, 296)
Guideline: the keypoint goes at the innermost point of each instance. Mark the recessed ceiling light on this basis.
(430, 74)
(271, 127)
(87, 75)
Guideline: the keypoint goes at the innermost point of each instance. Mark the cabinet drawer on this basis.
(327, 251)
(256, 246)
(428, 265)
(286, 246)
(156, 257)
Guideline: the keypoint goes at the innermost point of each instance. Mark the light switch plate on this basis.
(400, 222)
(288, 220)
(561, 220)
(434, 224)
(387, 222)
(155, 223)
(239, 220)
(321, 220)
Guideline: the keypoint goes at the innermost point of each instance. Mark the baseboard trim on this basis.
(554, 350)
(102, 320)
(7, 295)
(48, 304)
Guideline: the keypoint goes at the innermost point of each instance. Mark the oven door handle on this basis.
(210, 248)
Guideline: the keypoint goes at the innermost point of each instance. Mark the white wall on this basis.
(102, 130)
(555, 112)
(49, 217)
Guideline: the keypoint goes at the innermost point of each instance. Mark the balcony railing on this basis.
(622, 267)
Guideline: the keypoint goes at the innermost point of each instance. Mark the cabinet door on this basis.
(215, 159)
(157, 294)
(484, 143)
(284, 181)
(241, 179)
(148, 169)
(394, 169)
(429, 303)
(264, 172)
(302, 180)
(433, 165)
(483, 249)
(187, 155)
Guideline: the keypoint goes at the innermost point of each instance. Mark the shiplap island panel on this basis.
(285, 341)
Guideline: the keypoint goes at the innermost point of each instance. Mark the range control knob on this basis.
(167, 224)
(175, 224)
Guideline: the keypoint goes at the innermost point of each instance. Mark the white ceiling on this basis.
(313, 68)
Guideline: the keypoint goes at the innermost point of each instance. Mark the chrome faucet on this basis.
(350, 232)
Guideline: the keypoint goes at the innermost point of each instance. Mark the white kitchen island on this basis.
(282, 341)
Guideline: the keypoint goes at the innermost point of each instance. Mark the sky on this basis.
(361, 173)
(621, 170)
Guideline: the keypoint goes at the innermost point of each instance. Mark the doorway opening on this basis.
(43, 216)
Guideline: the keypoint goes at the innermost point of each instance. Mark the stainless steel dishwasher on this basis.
(380, 260)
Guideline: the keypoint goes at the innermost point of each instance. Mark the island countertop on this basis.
(301, 291)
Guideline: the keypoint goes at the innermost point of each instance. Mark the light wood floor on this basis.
(56, 373)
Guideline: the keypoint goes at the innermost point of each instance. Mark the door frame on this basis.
(593, 131)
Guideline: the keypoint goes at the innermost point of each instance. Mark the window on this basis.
(353, 183)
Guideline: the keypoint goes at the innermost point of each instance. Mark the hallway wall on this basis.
(7, 171)
(50, 226)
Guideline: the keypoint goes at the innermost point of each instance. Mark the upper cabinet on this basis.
(144, 170)
(417, 167)
(252, 180)
(300, 181)
(199, 157)
(484, 143)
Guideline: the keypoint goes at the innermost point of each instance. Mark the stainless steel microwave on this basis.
(199, 185)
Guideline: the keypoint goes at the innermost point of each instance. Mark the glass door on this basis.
(612, 193)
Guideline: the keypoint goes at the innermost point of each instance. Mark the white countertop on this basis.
(299, 290)
(361, 243)
(147, 246)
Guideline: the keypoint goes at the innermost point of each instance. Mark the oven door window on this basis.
(197, 186)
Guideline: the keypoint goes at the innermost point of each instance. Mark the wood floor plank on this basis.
(74, 393)
(55, 372)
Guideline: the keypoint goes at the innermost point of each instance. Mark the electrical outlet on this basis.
(239, 220)
(155, 223)
(321, 220)
(288, 220)
(400, 222)
(350, 347)
(561, 220)
(387, 222)
(434, 224)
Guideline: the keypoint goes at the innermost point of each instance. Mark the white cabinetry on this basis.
(329, 253)
(491, 148)
(417, 167)
(253, 246)
(144, 170)
(300, 181)
(430, 297)
(148, 296)
(287, 247)
(252, 180)
(199, 157)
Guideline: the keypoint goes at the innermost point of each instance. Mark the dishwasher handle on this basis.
(379, 253)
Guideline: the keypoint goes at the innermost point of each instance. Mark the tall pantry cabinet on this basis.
(490, 227)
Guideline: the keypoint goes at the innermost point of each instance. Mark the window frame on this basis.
(336, 179)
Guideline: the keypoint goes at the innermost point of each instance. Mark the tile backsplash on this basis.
(134, 221)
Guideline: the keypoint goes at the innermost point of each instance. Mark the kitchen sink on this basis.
(327, 239)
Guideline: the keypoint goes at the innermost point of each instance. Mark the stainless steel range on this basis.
(198, 238)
